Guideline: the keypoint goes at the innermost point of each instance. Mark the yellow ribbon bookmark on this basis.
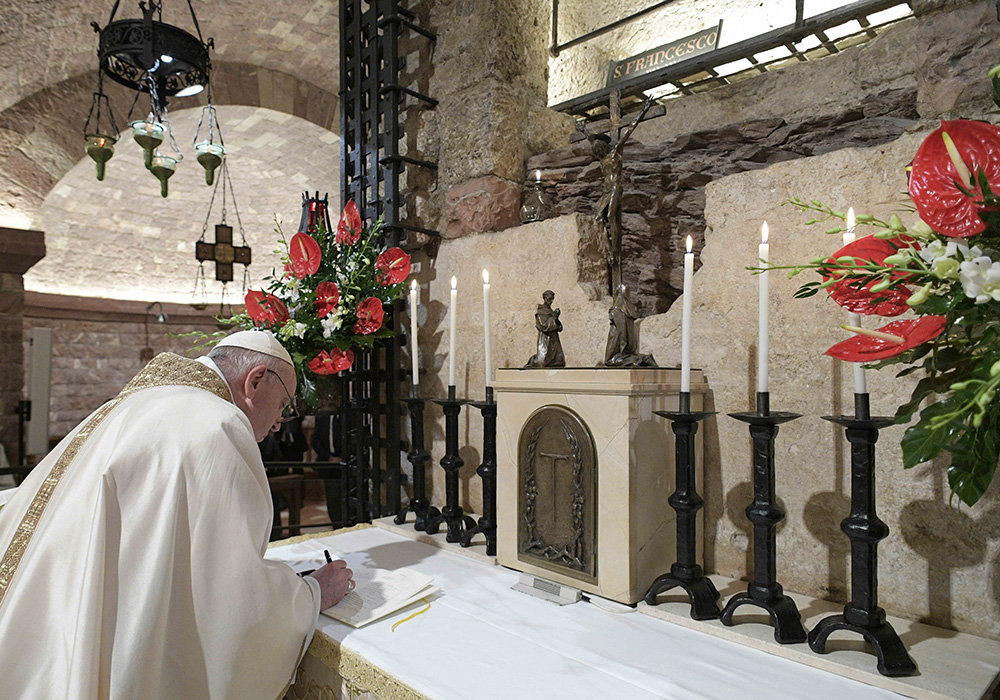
(407, 619)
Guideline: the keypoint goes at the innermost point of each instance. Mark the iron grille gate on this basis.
(371, 164)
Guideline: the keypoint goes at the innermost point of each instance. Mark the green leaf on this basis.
(973, 462)
(921, 444)
(307, 388)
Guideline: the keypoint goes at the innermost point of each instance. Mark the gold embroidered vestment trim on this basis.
(165, 369)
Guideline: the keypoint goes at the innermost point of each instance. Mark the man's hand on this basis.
(334, 581)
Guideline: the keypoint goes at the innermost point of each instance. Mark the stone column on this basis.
(19, 250)
(490, 76)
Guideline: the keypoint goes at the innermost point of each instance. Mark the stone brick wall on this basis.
(96, 347)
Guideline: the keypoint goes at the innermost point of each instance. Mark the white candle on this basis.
(488, 350)
(763, 254)
(686, 320)
(451, 339)
(860, 384)
(413, 332)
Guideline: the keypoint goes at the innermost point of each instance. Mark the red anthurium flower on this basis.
(327, 296)
(265, 309)
(863, 348)
(332, 362)
(860, 299)
(933, 188)
(305, 254)
(392, 267)
(370, 315)
(349, 226)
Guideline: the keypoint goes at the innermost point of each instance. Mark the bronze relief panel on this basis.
(557, 493)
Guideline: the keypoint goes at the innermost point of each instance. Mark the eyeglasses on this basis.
(289, 412)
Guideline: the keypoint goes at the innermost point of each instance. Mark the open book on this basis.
(380, 592)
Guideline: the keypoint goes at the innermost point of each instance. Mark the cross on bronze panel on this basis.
(223, 253)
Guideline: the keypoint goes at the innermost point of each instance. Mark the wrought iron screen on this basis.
(372, 168)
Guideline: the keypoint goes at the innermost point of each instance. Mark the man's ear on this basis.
(253, 380)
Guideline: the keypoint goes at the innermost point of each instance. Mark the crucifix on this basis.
(223, 253)
(608, 148)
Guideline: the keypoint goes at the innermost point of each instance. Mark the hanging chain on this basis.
(96, 103)
(223, 192)
(239, 221)
(200, 278)
(213, 118)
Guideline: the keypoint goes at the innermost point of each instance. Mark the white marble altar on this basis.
(635, 466)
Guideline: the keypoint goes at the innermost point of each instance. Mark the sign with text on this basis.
(667, 55)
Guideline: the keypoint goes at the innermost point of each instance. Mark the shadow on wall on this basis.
(825, 509)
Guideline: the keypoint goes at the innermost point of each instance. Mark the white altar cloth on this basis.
(481, 640)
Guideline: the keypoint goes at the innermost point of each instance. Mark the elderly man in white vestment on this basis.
(132, 556)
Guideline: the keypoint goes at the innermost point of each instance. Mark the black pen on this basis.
(326, 553)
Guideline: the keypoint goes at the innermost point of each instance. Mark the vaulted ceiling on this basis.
(275, 83)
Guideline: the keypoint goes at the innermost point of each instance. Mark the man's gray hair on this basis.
(236, 362)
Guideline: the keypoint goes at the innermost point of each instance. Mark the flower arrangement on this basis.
(945, 269)
(331, 295)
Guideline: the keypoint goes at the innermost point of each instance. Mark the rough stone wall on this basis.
(664, 197)
(93, 359)
(927, 67)
(940, 564)
(489, 75)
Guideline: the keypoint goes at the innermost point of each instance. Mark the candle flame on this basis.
(486, 276)
(454, 283)
(689, 244)
(850, 217)
(763, 234)
(413, 285)
(538, 176)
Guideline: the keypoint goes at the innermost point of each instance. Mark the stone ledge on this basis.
(953, 665)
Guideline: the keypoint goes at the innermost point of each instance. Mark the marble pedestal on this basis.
(635, 467)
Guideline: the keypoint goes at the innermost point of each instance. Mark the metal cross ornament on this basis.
(223, 253)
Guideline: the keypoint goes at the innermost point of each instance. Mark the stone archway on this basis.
(41, 136)
(119, 239)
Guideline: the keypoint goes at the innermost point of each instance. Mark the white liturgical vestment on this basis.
(132, 556)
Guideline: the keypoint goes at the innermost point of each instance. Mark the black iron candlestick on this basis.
(418, 458)
(451, 514)
(686, 573)
(863, 527)
(488, 472)
(765, 514)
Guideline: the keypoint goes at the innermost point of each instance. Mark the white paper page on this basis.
(379, 593)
